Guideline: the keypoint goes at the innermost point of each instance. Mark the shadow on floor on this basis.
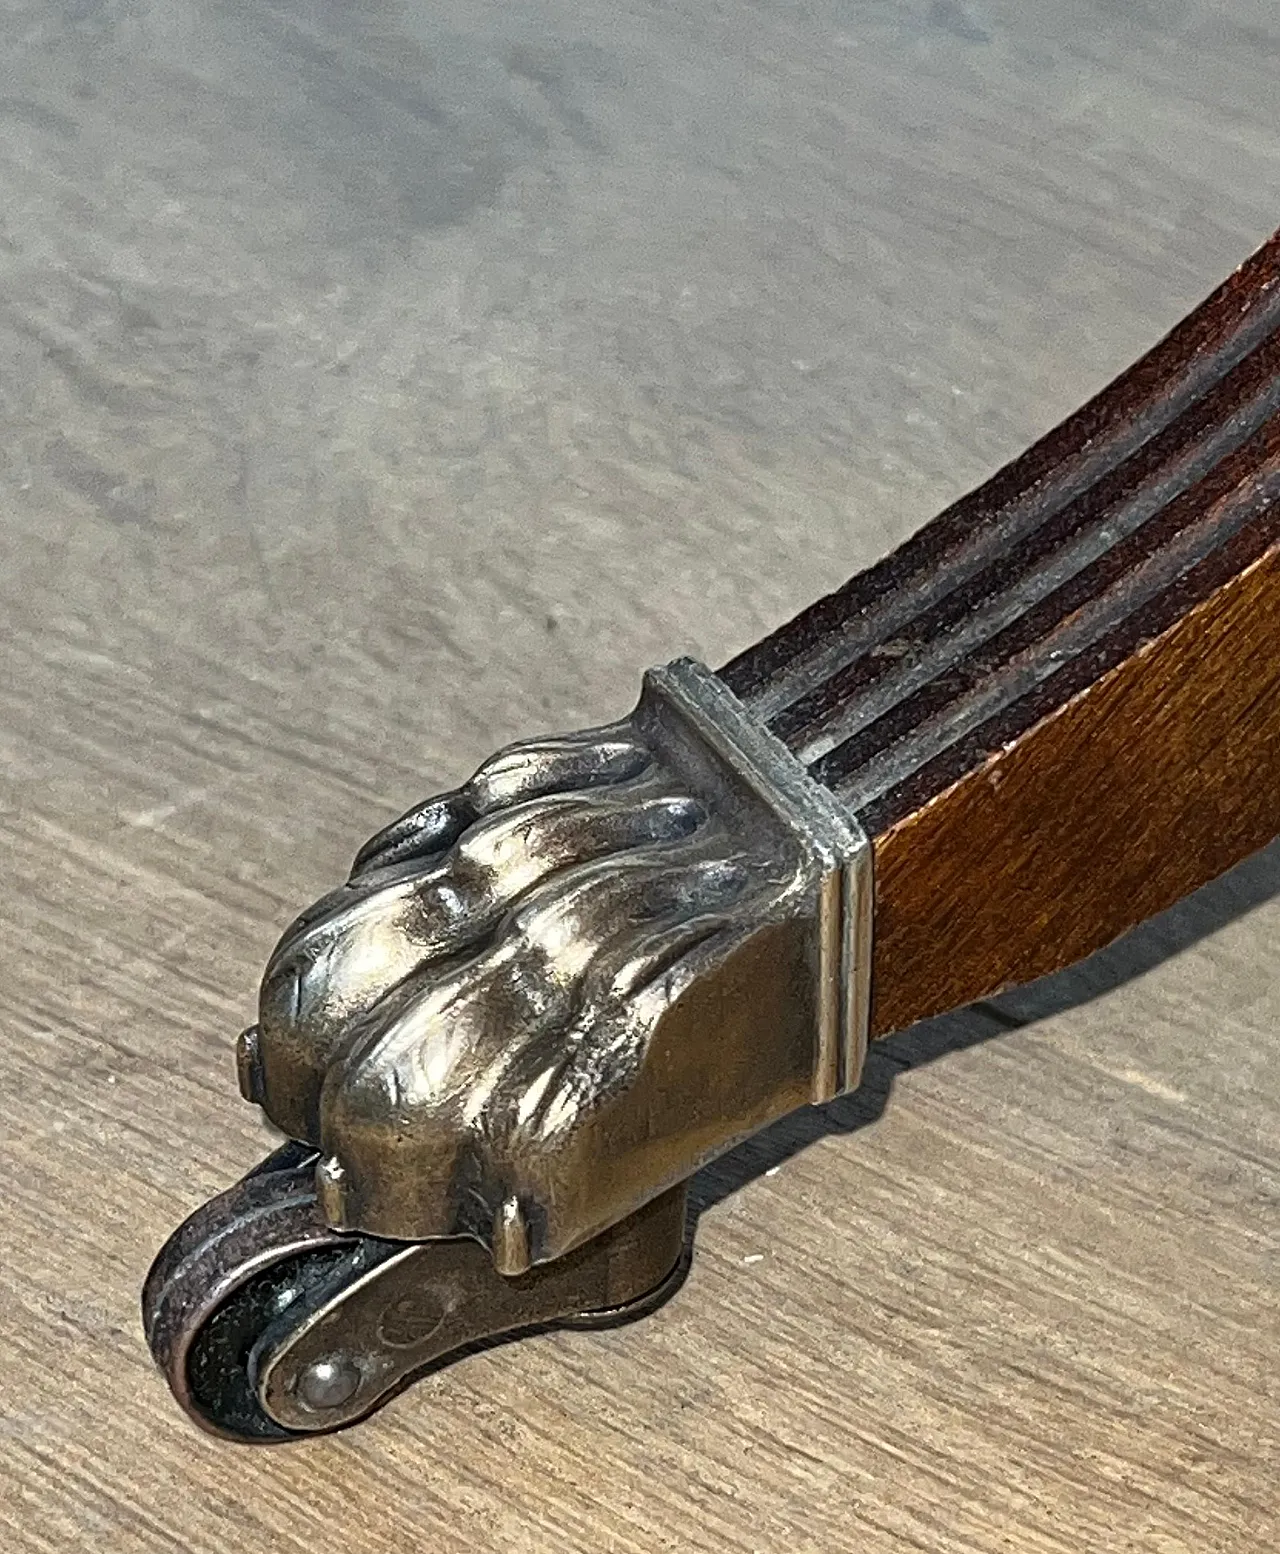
(1243, 888)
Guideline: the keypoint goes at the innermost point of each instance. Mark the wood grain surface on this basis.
(1159, 776)
(381, 383)
(1018, 597)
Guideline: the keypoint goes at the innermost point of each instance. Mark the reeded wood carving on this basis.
(544, 1000)
(1056, 709)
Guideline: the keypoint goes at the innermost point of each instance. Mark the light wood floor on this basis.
(382, 382)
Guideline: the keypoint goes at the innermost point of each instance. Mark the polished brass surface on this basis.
(539, 1004)
(544, 999)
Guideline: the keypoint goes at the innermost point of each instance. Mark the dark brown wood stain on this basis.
(1152, 780)
(1056, 709)
(1083, 451)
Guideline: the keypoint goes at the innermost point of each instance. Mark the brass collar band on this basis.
(840, 848)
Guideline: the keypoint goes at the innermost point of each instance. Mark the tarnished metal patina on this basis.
(538, 1005)
(270, 1324)
(541, 1002)
(548, 996)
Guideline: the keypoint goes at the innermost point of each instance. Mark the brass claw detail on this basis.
(546, 997)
